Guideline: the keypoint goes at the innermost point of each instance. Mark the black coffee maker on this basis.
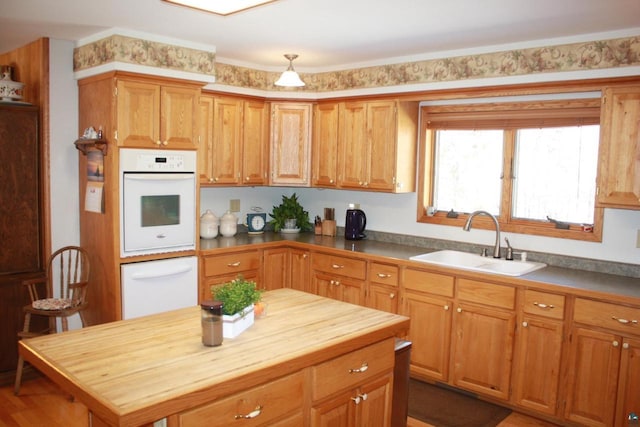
(354, 224)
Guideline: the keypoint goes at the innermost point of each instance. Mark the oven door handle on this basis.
(158, 176)
(154, 274)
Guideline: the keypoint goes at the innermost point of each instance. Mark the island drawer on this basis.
(487, 293)
(350, 370)
(424, 281)
(217, 265)
(351, 267)
(273, 400)
(383, 273)
(611, 316)
(543, 304)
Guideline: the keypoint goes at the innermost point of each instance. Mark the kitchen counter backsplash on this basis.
(404, 246)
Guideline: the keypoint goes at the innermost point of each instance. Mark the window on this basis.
(532, 165)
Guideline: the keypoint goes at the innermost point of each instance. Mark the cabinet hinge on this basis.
(115, 91)
(115, 134)
(604, 100)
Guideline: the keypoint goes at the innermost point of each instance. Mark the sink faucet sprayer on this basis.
(467, 227)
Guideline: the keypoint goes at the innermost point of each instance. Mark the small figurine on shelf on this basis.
(90, 133)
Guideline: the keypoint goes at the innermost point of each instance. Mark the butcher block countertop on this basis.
(136, 371)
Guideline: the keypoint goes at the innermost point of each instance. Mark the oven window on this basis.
(160, 210)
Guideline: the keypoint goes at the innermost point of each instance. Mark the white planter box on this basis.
(232, 326)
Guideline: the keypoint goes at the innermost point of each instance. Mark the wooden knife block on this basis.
(328, 227)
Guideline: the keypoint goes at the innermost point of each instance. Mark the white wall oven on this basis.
(157, 201)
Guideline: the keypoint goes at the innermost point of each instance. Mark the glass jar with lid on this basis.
(211, 320)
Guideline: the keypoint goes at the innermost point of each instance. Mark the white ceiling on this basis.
(328, 34)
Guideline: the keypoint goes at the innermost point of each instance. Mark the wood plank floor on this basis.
(42, 403)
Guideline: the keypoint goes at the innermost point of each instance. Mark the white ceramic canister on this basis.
(209, 225)
(228, 224)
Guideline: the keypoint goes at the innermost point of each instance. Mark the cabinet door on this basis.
(375, 410)
(138, 111)
(619, 168)
(368, 405)
(290, 144)
(205, 140)
(382, 297)
(430, 334)
(300, 270)
(381, 128)
(629, 386)
(255, 143)
(325, 145)
(593, 377)
(353, 146)
(483, 349)
(537, 365)
(326, 286)
(337, 412)
(276, 268)
(227, 141)
(179, 117)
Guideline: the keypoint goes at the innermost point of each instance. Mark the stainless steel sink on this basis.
(473, 262)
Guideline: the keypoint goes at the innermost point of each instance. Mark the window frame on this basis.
(509, 116)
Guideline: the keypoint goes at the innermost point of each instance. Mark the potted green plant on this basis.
(290, 209)
(238, 298)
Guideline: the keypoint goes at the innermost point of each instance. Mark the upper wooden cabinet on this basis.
(290, 162)
(619, 163)
(325, 145)
(377, 145)
(235, 150)
(152, 114)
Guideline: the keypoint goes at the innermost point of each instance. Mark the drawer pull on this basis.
(383, 276)
(337, 266)
(250, 415)
(234, 264)
(625, 321)
(543, 306)
(359, 398)
(359, 370)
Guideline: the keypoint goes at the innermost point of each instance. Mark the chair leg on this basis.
(18, 383)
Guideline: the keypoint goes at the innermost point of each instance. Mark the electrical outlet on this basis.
(638, 240)
(234, 205)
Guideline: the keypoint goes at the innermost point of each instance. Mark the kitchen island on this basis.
(298, 365)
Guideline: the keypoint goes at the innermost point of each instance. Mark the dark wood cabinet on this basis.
(21, 225)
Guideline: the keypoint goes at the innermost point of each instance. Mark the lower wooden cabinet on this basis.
(354, 389)
(382, 290)
(300, 262)
(339, 277)
(276, 270)
(483, 336)
(428, 300)
(224, 267)
(604, 379)
(367, 405)
(538, 354)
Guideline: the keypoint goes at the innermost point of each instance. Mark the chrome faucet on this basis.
(467, 227)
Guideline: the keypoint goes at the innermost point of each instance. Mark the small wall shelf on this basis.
(85, 144)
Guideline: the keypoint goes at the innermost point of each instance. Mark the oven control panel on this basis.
(134, 160)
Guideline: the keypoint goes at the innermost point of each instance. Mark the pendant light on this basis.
(290, 78)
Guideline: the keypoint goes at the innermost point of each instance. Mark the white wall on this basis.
(63, 92)
(394, 213)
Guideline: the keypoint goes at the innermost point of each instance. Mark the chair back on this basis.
(68, 268)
